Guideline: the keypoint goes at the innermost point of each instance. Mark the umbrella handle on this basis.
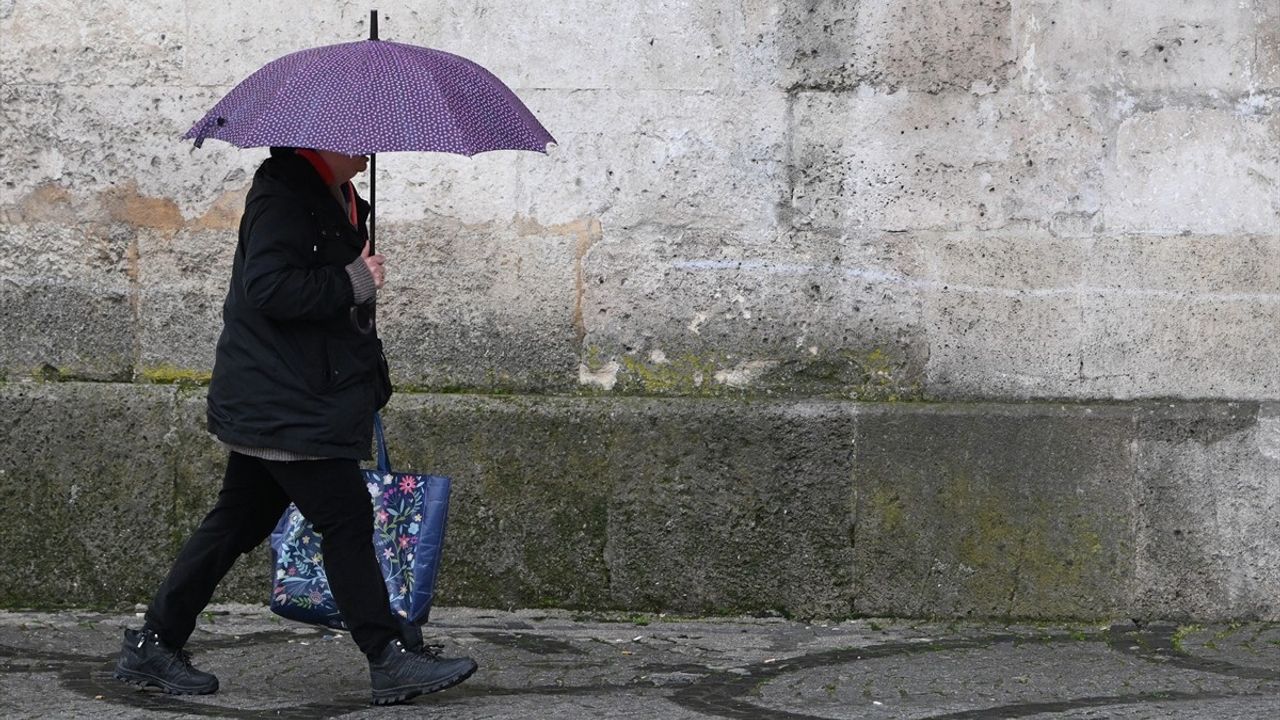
(365, 327)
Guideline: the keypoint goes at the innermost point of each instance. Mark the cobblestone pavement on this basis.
(558, 664)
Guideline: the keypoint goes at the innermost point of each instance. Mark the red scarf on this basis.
(326, 174)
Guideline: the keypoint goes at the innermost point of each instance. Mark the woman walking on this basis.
(298, 375)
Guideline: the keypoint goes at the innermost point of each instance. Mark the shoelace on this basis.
(182, 656)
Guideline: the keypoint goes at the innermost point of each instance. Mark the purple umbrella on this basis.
(372, 96)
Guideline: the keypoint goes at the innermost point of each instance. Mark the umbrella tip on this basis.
(373, 24)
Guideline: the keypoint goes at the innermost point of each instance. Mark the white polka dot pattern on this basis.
(373, 96)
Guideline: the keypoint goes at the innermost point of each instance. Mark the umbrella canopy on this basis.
(373, 96)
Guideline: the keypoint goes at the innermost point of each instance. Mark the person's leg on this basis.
(332, 495)
(248, 508)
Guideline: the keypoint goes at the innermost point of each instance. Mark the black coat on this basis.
(291, 371)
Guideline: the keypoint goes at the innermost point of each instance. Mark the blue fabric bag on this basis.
(410, 513)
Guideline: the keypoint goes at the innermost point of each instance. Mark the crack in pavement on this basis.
(722, 696)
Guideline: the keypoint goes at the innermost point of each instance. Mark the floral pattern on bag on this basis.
(396, 521)
(300, 588)
(299, 568)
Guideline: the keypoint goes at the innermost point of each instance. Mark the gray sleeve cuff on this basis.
(362, 287)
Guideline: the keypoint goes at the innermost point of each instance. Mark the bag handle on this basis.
(384, 462)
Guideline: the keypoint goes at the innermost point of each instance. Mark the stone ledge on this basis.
(805, 507)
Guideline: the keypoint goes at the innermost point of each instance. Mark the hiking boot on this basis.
(411, 634)
(399, 673)
(147, 662)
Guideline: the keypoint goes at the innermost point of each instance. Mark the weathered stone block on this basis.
(1183, 316)
(183, 282)
(178, 332)
(1199, 171)
(1058, 150)
(115, 152)
(731, 506)
(67, 329)
(1266, 70)
(85, 492)
(425, 189)
(1139, 47)
(919, 162)
(529, 516)
(1021, 345)
(904, 161)
(663, 45)
(1003, 313)
(1178, 344)
(39, 247)
(926, 45)
(664, 158)
(481, 307)
(61, 42)
(993, 511)
(811, 313)
(1208, 511)
(66, 300)
(1206, 266)
(561, 502)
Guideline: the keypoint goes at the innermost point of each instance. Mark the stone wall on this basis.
(811, 508)
(767, 205)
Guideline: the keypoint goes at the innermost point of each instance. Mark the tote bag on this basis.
(409, 517)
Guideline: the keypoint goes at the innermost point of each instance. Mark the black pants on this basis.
(332, 495)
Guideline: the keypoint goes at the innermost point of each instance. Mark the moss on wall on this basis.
(170, 375)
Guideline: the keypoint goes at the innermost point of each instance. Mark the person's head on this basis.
(344, 167)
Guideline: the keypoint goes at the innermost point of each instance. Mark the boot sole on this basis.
(393, 696)
(143, 680)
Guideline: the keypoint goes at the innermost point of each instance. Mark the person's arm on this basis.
(366, 275)
(277, 280)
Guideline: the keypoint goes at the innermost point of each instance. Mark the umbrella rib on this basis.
(282, 89)
(397, 72)
(451, 114)
(303, 77)
(332, 63)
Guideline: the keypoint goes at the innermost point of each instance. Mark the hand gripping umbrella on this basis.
(371, 96)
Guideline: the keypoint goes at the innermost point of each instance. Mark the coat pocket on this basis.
(343, 366)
